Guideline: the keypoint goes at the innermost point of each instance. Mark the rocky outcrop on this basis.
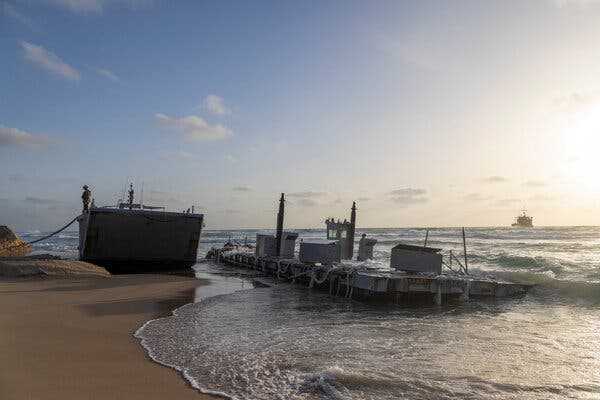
(21, 267)
(11, 245)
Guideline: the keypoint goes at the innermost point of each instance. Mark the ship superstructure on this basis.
(523, 221)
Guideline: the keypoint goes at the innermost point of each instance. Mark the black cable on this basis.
(45, 237)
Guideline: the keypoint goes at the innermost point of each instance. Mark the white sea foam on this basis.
(291, 344)
(219, 286)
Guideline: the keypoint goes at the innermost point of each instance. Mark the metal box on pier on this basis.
(266, 245)
(319, 251)
(416, 259)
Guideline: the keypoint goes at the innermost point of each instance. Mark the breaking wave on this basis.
(552, 288)
(533, 263)
(325, 384)
(290, 344)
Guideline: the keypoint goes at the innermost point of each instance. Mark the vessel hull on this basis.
(128, 241)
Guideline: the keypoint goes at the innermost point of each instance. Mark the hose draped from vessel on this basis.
(47, 236)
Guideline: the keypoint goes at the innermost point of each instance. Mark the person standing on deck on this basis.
(86, 197)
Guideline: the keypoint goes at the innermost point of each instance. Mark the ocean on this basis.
(286, 342)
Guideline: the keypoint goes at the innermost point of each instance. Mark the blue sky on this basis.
(426, 113)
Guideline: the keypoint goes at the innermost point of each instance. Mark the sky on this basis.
(428, 113)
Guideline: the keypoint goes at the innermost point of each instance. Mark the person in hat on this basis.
(86, 197)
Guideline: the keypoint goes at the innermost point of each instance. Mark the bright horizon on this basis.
(427, 115)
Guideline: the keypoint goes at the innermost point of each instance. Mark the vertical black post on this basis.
(465, 250)
(426, 237)
(352, 231)
(280, 224)
(130, 199)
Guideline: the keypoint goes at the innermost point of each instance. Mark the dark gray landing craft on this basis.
(127, 240)
(133, 237)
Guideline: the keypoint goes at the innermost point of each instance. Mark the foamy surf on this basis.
(287, 343)
(219, 285)
(187, 376)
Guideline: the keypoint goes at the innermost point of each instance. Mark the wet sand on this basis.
(73, 338)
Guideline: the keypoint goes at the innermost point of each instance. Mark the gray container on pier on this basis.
(319, 251)
(265, 246)
(416, 259)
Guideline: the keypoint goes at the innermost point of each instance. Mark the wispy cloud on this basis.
(194, 128)
(230, 158)
(307, 203)
(307, 195)
(409, 196)
(494, 179)
(49, 61)
(19, 138)
(96, 6)
(108, 74)
(534, 183)
(241, 189)
(475, 197)
(364, 199)
(307, 198)
(215, 105)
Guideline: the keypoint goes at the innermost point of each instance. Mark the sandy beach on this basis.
(73, 338)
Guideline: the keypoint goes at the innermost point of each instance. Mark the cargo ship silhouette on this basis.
(523, 221)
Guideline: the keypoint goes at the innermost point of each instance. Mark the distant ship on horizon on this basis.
(523, 221)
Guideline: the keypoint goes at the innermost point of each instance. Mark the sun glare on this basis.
(581, 138)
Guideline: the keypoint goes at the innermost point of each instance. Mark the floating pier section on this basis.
(364, 284)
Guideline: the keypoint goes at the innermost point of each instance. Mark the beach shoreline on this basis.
(74, 338)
